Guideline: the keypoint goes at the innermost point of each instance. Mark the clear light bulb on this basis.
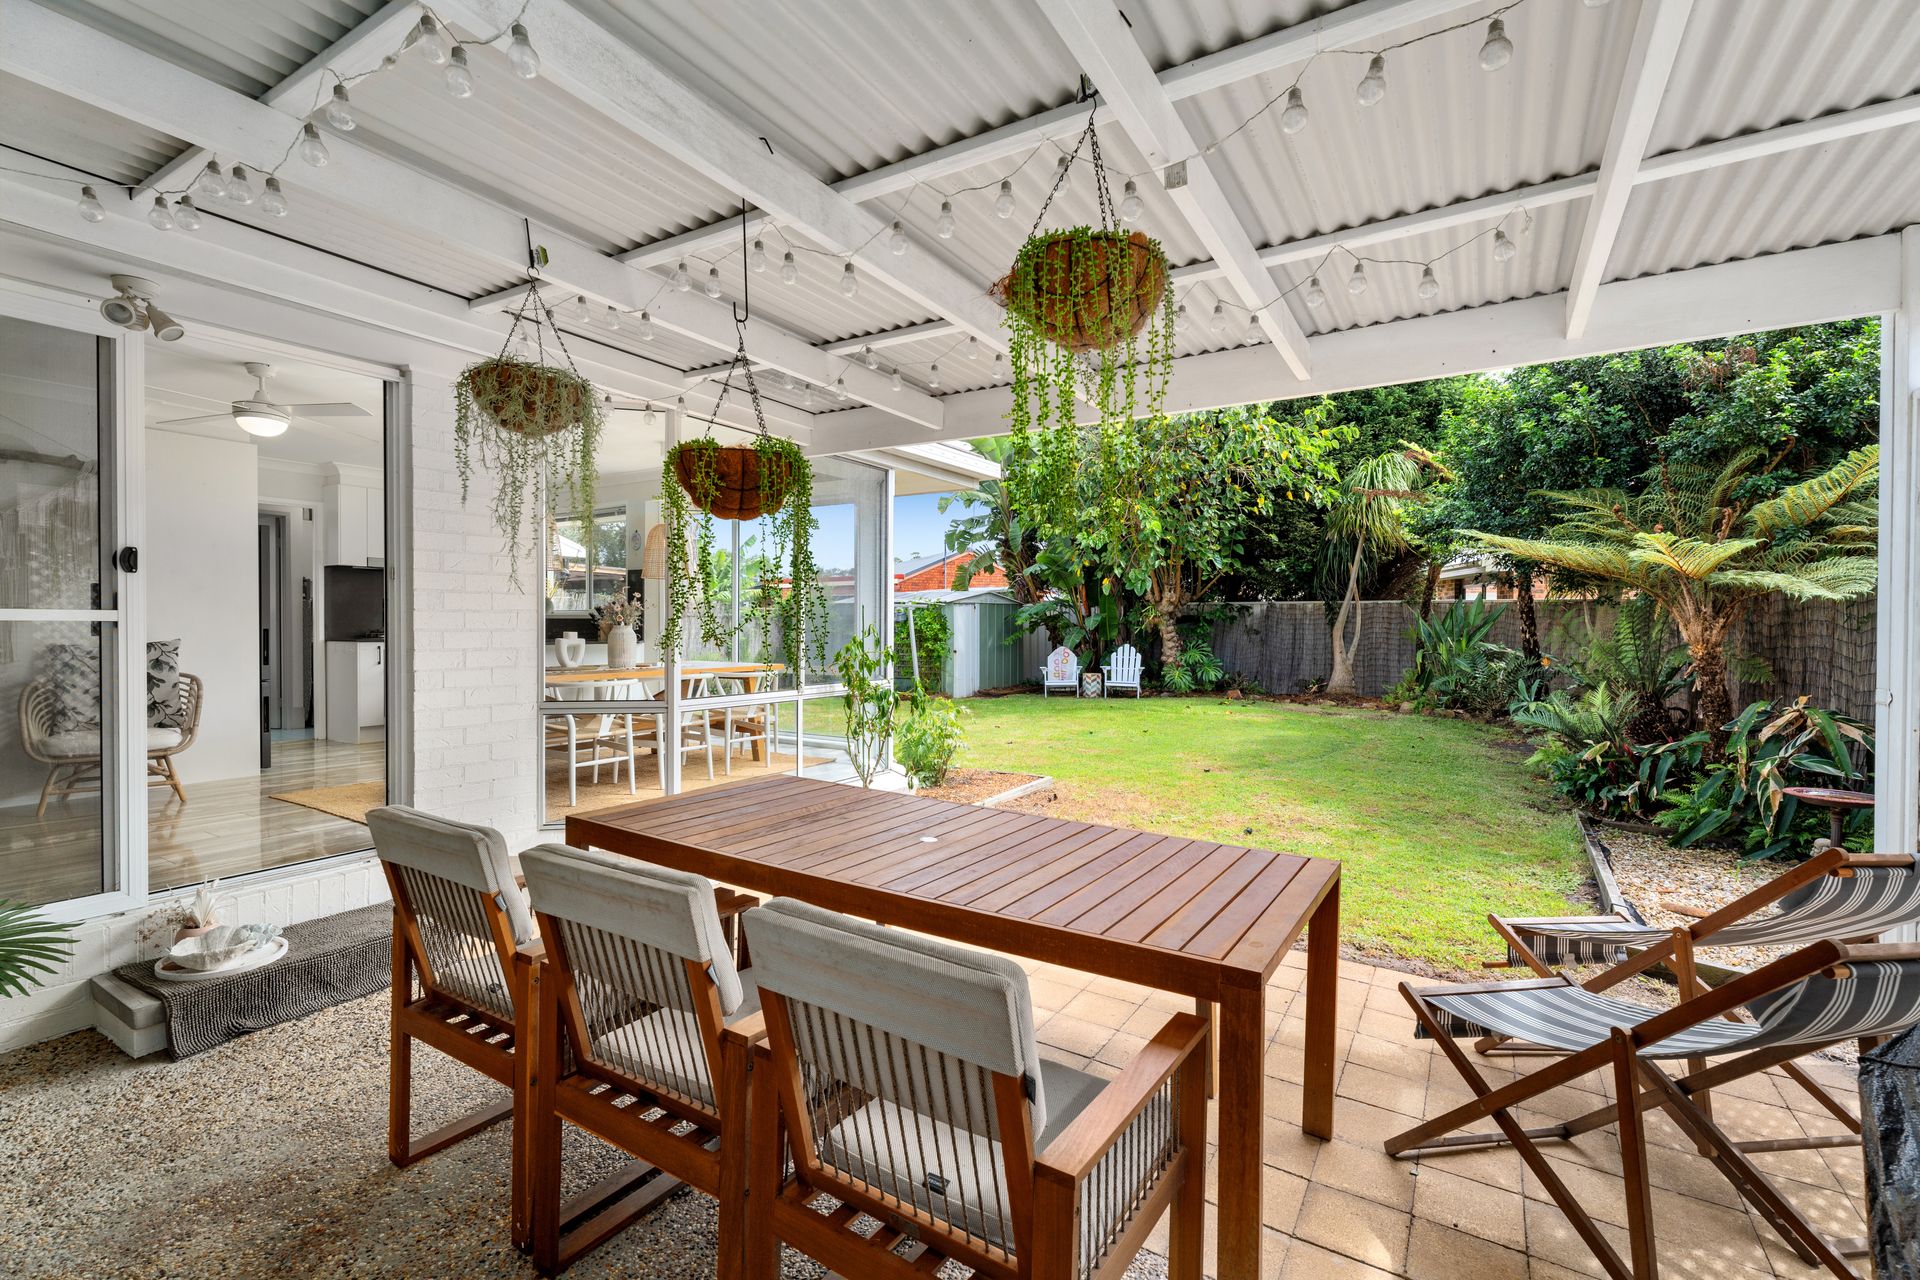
(894, 382)
(339, 110)
(312, 148)
(868, 358)
(1497, 52)
(1131, 206)
(273, 199)
(90, 207)
(160, 216)
(1254, 332)
(840, 388)
(712, 286)
(1315, 295)
(185, 216)
(459, 77)
(933, 377)
(1357, 282)
(1503, 248)
(682, 278)
(1294, 118)
(581, 315)
(1218, 322)
(897, 241)
(1180, 320)
(943, 225)
(521, 53)
(999, 366)
(650, 417)
(789, 269)
(680, 405)
(239, 189)
(1429, 286)
(613, 319)
(757, 259)
(849, 283)
(433, 41)
(646, 326)
(806, 396)
(210, 183)
(1373, 85)
(973, 348)
(1003, 203)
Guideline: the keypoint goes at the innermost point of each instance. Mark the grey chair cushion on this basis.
(970, 1005)
(658, 907)
(664, 1048)
(465, 853)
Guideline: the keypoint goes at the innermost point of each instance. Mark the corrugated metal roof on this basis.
(1171, 32)
(249, 47)
(813, 304)
(78, 134)
(1789, 201)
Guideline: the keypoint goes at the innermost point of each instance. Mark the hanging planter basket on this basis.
(1086, 289)
(744, 483)
(532, 400)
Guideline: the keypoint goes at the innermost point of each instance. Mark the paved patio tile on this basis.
(1437, 1253)
(1359, 1228)
(1365, 1171)
(1489, 1213)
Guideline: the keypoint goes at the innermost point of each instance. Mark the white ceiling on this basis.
(185, 380)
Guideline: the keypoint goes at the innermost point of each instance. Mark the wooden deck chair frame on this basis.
(1121, 671)
(1639, 1084)
(476, 1038)
(1680, 949)
(1043, 1188)
(674, 1140)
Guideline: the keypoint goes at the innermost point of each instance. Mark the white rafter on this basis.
(1102, 43)
(1656, 44)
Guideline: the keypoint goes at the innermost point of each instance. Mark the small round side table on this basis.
(1836, 802)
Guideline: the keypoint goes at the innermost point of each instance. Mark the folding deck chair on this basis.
(1818, 996)
(1852, 897)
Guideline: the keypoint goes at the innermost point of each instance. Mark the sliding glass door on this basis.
(63, 755)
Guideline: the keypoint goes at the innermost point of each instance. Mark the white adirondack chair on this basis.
(1061, 671)
(1122, 671)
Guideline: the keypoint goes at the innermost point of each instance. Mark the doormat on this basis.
(350, 802)
(329, 961)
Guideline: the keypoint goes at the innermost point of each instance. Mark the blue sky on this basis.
(919, 529)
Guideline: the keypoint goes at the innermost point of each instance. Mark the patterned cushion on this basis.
(74, 672)
(165, 708)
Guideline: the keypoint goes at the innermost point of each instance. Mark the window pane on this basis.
(49, 467)
(587, 562)
(52, 760)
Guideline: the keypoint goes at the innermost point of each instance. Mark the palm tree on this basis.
(1369, 511)
(1696, 541)
(990, 531)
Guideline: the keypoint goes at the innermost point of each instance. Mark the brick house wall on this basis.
(939, 576)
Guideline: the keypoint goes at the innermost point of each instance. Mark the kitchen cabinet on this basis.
(356, 690)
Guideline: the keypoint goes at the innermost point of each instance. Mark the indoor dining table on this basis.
(1205, 920)
(749, 674)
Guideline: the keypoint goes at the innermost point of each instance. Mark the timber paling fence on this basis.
(1817, 648)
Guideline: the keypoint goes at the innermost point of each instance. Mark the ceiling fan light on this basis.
(259, 420)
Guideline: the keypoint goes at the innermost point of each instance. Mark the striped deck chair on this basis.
(1853, 897)
(1819, 996)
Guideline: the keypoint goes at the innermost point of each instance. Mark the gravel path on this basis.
(1651, 871)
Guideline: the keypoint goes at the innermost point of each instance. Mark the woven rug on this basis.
(329, 961)
(350, 802)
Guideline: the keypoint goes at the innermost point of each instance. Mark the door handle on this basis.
(127, 559)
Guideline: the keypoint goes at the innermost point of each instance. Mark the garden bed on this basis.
(978, 786)
(1650, 871)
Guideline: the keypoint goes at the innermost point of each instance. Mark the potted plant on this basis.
(536, 425)
(618, 619)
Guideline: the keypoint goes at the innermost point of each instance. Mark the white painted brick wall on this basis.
(476, 653)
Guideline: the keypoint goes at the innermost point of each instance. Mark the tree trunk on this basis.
(1341, 679)
(1529, 621)
(1170, 645)
(1433, 584)
(1715, 706)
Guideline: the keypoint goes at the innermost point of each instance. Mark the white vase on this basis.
(569, 650)
(622, 648)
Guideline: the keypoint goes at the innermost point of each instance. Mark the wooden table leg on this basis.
(1241, 1080)
(1205, 1008)
(1323, 991)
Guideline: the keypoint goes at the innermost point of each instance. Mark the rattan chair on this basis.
(900, 1075)
(463, 956)
(72, 757)
(635, 989)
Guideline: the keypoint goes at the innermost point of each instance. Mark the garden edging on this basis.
(1600, 858)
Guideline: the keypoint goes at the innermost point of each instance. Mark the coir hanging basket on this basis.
(528, 399)
(739, 491)
(1086, 290)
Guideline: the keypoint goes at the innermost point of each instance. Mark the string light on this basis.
(789, 269)
(1254, 331)
(757, 259)
(239, 190)
(943, 225)
(646, 327)
(1294, 118)
(1429, 287)
(581, 315)
(210, 183)
(973, 347)
(894, 383)
(1373, 85)
(806, 396)
(999, 366)
(897, 241)
(312, 148)
(613, 319)
(273, 199)
(868, 358)
(682, 278)
(185, 216)
(433, 41)
(849, 283)
(1003, 203)
(1218, 322)
(459, 78)
(1357, 282)
(680, 405)
(90, 207)
(1497, 52)
(650, 417)
(1130, 206)
(1180, 321)
(712, 287)
(933, 376)
(1503, 248)
(840, 388)
(1314, 294)
(159, 215)
(339, 111)
(521, 54)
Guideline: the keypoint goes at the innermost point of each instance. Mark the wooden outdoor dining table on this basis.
(1205, 920)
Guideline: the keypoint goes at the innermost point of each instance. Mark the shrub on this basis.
(1591, 758)
(931, 634)
(927, 738)
(870, 704)
(1197, 670)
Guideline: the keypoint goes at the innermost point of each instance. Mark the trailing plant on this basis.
(862, 665)
(30, 947)
(536, 426)
(920, 663)
(1741, 799)
(928, 737)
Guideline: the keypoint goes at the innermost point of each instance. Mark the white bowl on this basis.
(221, 945)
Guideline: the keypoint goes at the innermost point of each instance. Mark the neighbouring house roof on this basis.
(936, 573)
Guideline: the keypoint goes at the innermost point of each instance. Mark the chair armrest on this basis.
(534, 952)
(1879, 860)
(1069, 1157)
(748, 1031)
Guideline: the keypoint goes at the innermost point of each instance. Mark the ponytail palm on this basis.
(1694, 541)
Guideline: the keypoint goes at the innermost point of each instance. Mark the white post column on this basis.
(1896, 817)
(669, 737)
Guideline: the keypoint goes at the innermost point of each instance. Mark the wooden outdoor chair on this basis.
(637, 985)
(1061, 670)
(1816, 997)
(463, 955)
(901, 1075)
(1852, 897)
(1122, 671)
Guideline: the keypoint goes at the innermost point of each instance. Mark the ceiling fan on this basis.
(262, 417)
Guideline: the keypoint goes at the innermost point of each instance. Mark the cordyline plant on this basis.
(1694, 541)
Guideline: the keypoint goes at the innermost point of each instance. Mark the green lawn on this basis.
(1437, 820)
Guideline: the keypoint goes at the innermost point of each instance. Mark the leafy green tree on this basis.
(1369, 515)
(991, 531)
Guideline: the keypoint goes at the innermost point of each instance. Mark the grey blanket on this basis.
(329, 961)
